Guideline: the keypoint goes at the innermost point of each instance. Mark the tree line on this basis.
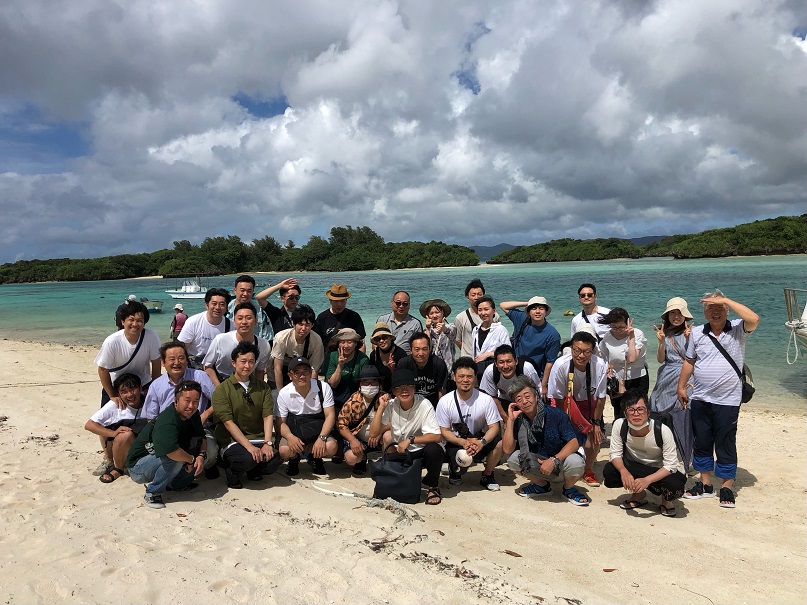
(347, 249)
(782, 235)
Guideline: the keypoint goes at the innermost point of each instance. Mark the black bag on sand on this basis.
(396, 476)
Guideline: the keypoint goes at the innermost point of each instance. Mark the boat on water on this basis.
(191, 288)
(796, 322)
(154, 306)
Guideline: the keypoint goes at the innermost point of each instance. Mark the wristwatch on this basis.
(324, 437)
(203, 455)
(483, 441)
(411, 439)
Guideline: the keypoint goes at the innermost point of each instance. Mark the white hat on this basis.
(539, 300)
(178, 307)
(679, 304)
(588, 329)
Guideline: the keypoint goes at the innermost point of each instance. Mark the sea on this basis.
(82, 313)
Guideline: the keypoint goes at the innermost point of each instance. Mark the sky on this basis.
(126, 125)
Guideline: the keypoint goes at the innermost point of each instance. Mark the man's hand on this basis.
(513, 411)
(356, 447)
(318, 449)
(118, 402)
(628, 481)
(121, 430)
(596, 435)
(255, 452)
(374, 441)
(267, 452)
(548, 466)
(682, 396)
(403, 445)
(472, 446)
(296, 444)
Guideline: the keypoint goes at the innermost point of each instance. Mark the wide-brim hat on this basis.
(678, 304)
(338, 292)
(539, 300)
(435, 302)
(178, 307)
(379, 329)
(346, 334)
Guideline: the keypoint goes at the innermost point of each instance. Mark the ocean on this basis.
(83, 312)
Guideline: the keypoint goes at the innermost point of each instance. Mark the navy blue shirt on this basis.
(558, 431)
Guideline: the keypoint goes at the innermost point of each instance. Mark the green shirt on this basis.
(230, 403)
(168, 432)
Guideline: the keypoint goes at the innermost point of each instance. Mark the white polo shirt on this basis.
(289, 401)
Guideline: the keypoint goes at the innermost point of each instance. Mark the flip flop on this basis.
(667, 512)
(631, 504)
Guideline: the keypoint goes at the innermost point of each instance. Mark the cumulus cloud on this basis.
(468, 122)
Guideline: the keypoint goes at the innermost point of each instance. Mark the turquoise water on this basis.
(82, 312)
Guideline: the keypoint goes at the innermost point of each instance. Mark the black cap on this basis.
(298, 361)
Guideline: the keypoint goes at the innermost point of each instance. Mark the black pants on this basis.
(432, 455)
(715, 430)
(669, 488)
(642, 383)
(237, 460)
(452, 449)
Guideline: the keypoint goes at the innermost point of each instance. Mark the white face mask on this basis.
(369, 391)
(638, 427)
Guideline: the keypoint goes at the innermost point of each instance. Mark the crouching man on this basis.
(171, 451)
(542, 444)
(639, 463)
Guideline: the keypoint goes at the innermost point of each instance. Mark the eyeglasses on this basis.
(585, 295)
(300, 373)
(635, 410)
(586, 352)
(400, 303)
(292, 297)
(247, 396)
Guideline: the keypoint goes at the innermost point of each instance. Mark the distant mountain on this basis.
(648, 239)
(486, 252)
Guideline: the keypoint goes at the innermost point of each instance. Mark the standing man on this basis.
(467, 320)
(338, 316)
(533, 336)
(400, 322)
(469, 423)
(289, 292)
(717, 393)
(587, 293)
(243, 291)
(430, 372)
(497, 377)
(217, 361)
(179, 320)
(295, 342)
(200, 329)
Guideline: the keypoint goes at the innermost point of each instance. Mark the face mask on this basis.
(638, 427)
(369, 391)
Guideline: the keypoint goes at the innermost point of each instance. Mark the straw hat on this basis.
(338, 292)
(435, 302)
(380, 329)
(677, 304)
(539, 300)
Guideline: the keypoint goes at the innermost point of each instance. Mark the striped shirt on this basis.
(714, 378)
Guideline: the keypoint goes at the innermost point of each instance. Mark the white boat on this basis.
(190, 289)
(796, 322)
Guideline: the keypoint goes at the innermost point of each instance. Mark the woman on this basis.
(443, 335)
(624, 348)
(487, 335)
(673, 337)
(344, 366)
(386, 354)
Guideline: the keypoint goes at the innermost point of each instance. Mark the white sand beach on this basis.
(67, 538)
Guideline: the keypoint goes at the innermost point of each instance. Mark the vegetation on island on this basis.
(347, 249)
(782, 235)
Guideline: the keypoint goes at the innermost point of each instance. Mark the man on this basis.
(717, 392)
(243, 292)
(161, 395)
(497, 377)
(533, 336)
(400, 322)
(588, 390)
(217, 362)
(338, 316)
(289, 292)
(638, 462)
(171, 451)
(355, 417)
(200, 329)
(245, 415)
(542, 444)
(587, 293)
(118, 428)
(298, 341)
(467, 320)
(429, 370)
(179, 320)
(408, 419)
(306, 417)
(469, 423)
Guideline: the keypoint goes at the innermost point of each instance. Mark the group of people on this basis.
(249, 384)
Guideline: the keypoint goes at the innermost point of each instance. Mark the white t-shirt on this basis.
(556, 387)
(478, 411)
(198, 333)
(644, 449)
(116, 350)
(109, 414)
(417, 420)
(593, 319)
(218, 354)
(613, 351)
(500, 390)
(289, 401)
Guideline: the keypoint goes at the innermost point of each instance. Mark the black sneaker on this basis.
(254, 475)
(489, 482)
(212, 473)
(318, 466)
(294, 467)
(454, 477)
(360, 468)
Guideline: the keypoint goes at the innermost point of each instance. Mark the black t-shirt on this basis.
(430, 380)
(386, 374)
(328, 324)
(279, 318)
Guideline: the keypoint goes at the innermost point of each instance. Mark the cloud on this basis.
(126, 126)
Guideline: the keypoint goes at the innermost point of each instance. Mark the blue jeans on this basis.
(159, 473)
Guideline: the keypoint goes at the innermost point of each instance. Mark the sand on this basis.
(67, 538)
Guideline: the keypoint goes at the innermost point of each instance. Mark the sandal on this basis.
(698, 491)
(533, 489)
(109, 477)
(726, 497)
(667, 511)
(575, 497)
(631, 504)
(433, 497)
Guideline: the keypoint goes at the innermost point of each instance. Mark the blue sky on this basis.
(125, 127)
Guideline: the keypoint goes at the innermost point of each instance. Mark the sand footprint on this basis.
(233, 589)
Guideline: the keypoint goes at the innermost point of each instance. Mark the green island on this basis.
(782, 235)
(347, 249)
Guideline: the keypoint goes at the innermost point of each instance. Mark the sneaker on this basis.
(153, 500)
(293, 468)
(318, 466)
(698, 491)
(104, 467)
(212, 473)
(455, 477)
(489, 481)
(360, 468)
(591, 479)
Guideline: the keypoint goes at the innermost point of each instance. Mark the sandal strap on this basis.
(575, 495)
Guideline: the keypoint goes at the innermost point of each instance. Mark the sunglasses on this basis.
(587, 295)
(400, 303)
(247, 396)
(292, 297)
